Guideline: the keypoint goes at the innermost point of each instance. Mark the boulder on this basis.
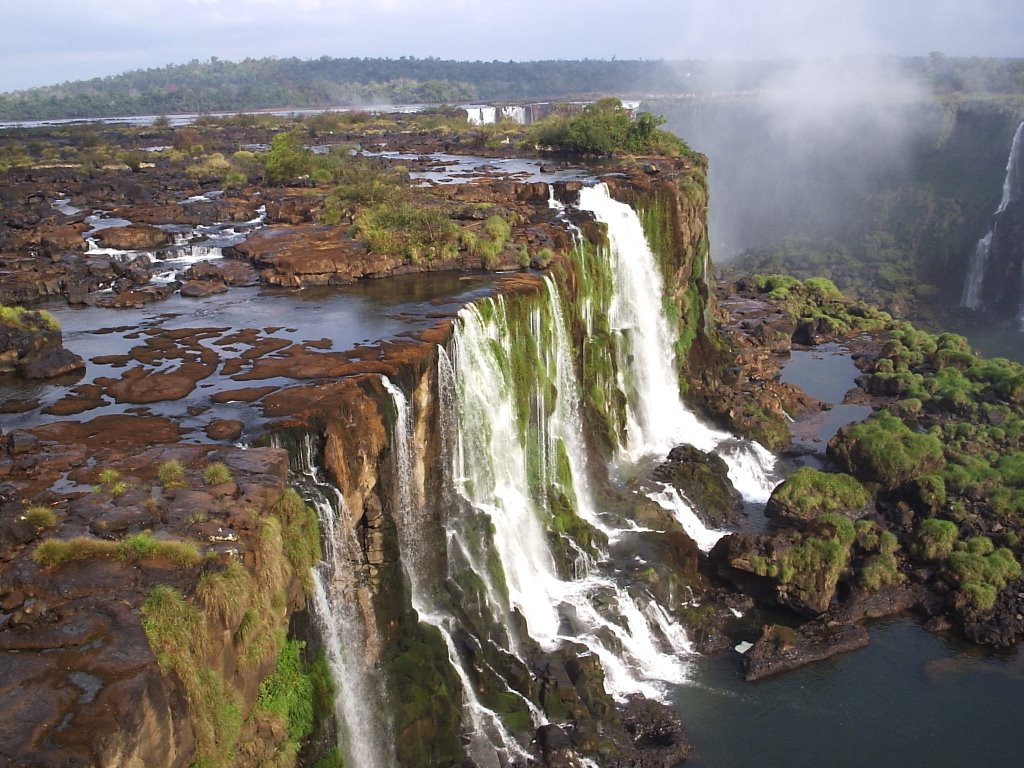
(134, 237)
(781, 648)
(703, 478)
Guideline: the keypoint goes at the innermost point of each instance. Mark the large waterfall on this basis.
(530, 514)
(981, 261)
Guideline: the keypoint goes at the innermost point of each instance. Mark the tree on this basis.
(288, 158)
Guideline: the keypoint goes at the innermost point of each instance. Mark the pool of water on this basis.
(339, 319)
(910, 699)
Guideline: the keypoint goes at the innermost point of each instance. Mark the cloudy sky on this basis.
(51, 41)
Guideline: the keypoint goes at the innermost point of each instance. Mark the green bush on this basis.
(171, 474)
(934, 539)
(40, 517)
(288, 158)
(217, 473)
(416, 232)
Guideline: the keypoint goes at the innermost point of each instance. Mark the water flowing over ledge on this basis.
(531, 520)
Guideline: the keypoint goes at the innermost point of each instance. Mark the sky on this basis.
(53, 41)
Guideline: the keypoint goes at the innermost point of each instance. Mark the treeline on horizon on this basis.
(272, 83)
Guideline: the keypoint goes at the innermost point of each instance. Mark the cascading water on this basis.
(525, 569)
(492, 474)
(1013, 190)
(657, 418)
(348, 632)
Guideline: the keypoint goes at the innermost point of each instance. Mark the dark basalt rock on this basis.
(703, 478)
(780, 648)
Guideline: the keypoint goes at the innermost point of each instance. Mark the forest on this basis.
(272, 83)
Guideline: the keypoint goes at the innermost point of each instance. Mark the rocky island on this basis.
(363, 444)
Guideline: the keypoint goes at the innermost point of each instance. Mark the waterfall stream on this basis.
(1013, 189)
(347, 628)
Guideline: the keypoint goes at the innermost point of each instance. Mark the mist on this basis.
(788, 159)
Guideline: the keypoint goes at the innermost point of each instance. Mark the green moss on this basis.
(934, 539)
(884, 450)
(811, 491)
(300, 533)
(19, 317)
(879, 571)
(289, 693)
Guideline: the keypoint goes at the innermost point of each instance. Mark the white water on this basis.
(481, 115)
(491, 474)
(1013, 189)
(657, 418)
(360, 709)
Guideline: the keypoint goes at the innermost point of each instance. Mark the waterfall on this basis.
(481, 115)
(640, 649)
(657, 418)
(1013, 190)
(348, 632)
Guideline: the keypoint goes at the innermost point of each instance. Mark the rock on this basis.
(51, 363)
(199, 289)
(134, 237)
(780, 648)
(703, 478)
(808, 493)
(224, 429)
(657, 731)
(797, 569)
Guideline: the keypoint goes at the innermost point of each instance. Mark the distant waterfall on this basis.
(481, 115)
(981, 258)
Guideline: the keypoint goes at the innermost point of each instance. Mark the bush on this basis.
(418, 233)
(217, 473)
(53, 552)
(171, 474)
(288, 158)
(41, 517)
(934, 539)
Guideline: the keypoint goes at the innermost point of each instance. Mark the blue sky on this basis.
(57, 40)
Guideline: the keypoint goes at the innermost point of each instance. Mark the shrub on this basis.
(934, 539)
(40, 517)
(217, 473)
(288, 158)
(418, 233)
(171, 474)
(108, 477)
(143, 545)
(53, 552)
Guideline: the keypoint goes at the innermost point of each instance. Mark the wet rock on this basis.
(134, 237)
(50, 364)
(199, 289)
(703, 478)
(224, 429)
(781, 648)
(657, 732)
